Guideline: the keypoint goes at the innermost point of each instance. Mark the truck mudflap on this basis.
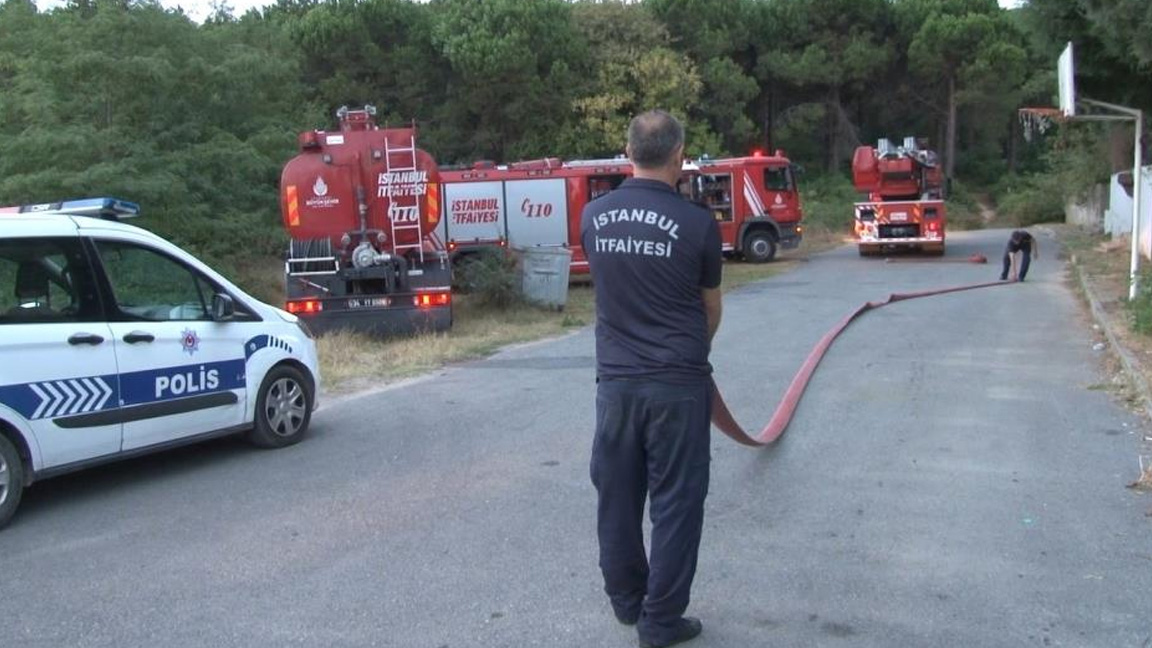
(790, 235)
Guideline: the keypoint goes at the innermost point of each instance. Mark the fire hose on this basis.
(722, 417)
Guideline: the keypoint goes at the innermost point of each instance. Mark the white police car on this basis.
(114, 342)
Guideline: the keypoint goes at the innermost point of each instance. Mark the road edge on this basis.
(1129, 362)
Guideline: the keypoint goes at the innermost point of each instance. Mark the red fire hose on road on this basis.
(722, 418)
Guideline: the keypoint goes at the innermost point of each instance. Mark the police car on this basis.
(115, 342)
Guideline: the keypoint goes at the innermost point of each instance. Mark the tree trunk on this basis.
(950, 144)
(1120, 148)
(832, 123)
(1012, 137)
(769, 115)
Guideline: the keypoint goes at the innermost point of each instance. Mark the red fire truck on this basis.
(360, 206)
(524, 204)
(905, 206)
(539, 202)
(755, 200)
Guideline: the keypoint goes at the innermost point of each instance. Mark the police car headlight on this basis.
(304, 329)
(289, 317)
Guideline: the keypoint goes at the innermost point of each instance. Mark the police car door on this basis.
(181, 374)
(57, 358)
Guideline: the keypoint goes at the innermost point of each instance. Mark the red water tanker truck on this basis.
(360, 206)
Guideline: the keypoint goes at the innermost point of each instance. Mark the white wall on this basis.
(1088, 213)
(1118, 217)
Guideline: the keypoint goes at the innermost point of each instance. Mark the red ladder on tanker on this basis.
(407, 215)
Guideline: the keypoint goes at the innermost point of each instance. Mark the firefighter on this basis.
(655, 260)
(1018, 255)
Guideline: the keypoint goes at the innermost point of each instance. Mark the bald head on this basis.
(655, 140)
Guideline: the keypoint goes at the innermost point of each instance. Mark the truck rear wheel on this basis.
(283, 408)
(759, 247)
(11, 480)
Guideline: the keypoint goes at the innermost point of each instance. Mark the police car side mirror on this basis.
(223, 308)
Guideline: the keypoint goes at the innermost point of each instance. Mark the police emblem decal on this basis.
(190, 341)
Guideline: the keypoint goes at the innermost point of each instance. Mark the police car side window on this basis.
(148, 285)
(46, 280)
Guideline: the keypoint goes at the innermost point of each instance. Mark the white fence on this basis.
(1118, 216)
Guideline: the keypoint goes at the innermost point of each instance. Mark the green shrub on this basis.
(827, 202)
(1076, 162)
(1028, 200)
(1140, 309)
(489, 274)
(963, 208)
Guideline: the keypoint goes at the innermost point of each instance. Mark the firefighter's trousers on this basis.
(1025, 261)
(652, 439)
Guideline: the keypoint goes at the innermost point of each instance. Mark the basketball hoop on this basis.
(1039, 120)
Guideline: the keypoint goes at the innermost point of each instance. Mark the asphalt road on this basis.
(954, 476)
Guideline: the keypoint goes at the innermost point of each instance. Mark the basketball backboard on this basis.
(1066, 75)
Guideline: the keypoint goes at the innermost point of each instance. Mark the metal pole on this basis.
(1137, 117)
(1138, 163)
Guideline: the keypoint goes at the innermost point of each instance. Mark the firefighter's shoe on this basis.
(687, 628)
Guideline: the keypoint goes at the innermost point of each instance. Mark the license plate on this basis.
(898, 217)
(368, 302)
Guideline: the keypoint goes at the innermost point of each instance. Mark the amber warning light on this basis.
(304, 306)
(428, 300)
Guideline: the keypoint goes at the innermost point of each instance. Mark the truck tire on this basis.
(11, 480)
(759, 247)
(283, 408)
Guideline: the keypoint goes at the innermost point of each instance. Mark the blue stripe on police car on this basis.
(52, 398)
(262, 341)
(166, 383)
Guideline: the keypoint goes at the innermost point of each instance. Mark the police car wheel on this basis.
(11, 480)
(759, 247)
(283, 408)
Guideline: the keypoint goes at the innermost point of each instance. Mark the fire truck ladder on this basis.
(404, 210)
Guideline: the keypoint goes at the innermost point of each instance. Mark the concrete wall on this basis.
(1089, 213)
(1118, 216)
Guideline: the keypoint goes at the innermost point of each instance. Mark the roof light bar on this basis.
(106, 208)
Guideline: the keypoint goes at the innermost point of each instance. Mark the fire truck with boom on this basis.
(539, 202)
(905, 206)
(360, 206)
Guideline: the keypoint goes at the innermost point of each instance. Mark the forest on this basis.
(194, 121)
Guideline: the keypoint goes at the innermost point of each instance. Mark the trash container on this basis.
(544, 275)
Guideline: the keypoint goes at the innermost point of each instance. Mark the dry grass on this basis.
(352, 362)
(1144, 481)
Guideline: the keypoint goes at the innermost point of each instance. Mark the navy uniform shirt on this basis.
(650, 252)
(1020, 240)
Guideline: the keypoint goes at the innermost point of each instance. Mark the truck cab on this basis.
(756, 202)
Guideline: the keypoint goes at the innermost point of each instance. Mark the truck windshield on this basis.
(777, 179)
